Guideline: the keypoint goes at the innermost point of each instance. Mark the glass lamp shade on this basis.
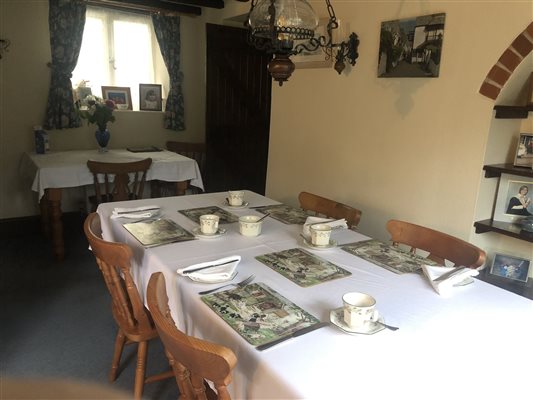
(294, 20)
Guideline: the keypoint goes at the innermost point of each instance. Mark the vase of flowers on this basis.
(98, 111)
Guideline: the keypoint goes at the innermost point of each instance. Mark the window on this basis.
(119, 49)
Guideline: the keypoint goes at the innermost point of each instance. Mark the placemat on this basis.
(194, 214)
(284, 213)
(157, 232)
(301, 267)
(387, 256)
(258, 313)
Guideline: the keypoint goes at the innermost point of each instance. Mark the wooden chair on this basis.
(116, 180)
(440, 246)
(134, 322)
(193, 360)
(329, 208)
(196, 151)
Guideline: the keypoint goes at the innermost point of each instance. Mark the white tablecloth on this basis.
(69, 168)
(475, 344)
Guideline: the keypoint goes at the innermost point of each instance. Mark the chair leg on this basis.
(120, 340)
(142, 351)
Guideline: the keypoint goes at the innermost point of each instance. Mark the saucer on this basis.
(198, 233)
(198, 278)
(332, 244)
(243, 205)
(337, 318)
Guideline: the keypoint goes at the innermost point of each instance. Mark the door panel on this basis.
(238, 112)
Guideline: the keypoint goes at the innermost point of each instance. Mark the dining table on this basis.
(51, 172)
(475, 342)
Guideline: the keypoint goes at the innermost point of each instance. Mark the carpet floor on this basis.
(56, 317)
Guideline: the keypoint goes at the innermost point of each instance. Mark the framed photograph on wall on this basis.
(524, 151)
(120, 95)
(514, 201)
(317, 58)
(510, 267)
(150, 97)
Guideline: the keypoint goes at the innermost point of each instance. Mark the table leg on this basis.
(45, 216)
(181, 187)
(53, 196)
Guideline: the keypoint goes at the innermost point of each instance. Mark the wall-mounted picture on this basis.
(524, 151)
(120, 95)
(510, 267)
(411, 48)
(513, 202)
(150, 97)
(317, 58)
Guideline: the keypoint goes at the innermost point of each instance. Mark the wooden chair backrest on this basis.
(114, 261)
(440, 246)
(329, 208)
(196, 151)
(192, 359)
(120, 189)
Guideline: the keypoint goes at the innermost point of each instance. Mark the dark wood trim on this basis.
(512, 112)
(504, 228)
(147, 6)
(495, 170)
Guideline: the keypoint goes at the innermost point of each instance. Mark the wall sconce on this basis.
(285, 28)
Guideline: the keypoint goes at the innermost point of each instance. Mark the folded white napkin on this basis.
(135, 212)
(444, 287)
(338, 223)
(217, 270)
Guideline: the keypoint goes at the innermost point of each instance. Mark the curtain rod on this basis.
(149, 7)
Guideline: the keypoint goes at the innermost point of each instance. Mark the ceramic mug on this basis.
(320, 234)
(248, 225)
(235, 197)
(209, 224)
(359, 309)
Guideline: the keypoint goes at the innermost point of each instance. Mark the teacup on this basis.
(359, 309)
(209, 224)
(320, 234)
(235, 197)
(248, 225)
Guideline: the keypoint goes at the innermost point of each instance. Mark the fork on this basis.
(242, 283)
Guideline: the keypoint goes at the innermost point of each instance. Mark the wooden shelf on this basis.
(495, 170)
(512, 112)
(504, 228)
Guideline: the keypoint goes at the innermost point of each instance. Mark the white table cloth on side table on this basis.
(51, 172)
(473, 344)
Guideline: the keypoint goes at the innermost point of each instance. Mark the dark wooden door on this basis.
(237, 112)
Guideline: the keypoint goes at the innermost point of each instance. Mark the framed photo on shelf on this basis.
(120, 95)
(150, 97)
(514, 201)
(510, 267)
(524, 151)
(82, 92)
(317, 58)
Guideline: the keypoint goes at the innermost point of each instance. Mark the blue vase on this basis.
(102, 138)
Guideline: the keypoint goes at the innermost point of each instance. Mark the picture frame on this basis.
(524, 151)
(510, 267)
(530, 91)
(411, 47)
(82, 92)
(317, 58)
(507, 207)
(150, 97)
(120, 95)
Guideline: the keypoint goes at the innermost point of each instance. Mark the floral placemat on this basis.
(301, 267)
(258, 313)
(387, 256)
(194, 214)
(157, 232)
(284, 213)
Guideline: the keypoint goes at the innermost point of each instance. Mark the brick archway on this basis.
(507, 63)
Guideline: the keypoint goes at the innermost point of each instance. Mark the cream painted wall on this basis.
(24, 80)
(395, 148)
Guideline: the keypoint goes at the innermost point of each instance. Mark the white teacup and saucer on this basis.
(358, 315)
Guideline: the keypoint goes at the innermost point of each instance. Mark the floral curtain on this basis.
(66, 19)
(167, 30)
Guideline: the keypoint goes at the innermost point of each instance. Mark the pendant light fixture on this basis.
(285, 28)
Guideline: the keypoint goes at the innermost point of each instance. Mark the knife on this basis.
(297, 333)
(138, 211)
(190, 271)
(449, 274)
